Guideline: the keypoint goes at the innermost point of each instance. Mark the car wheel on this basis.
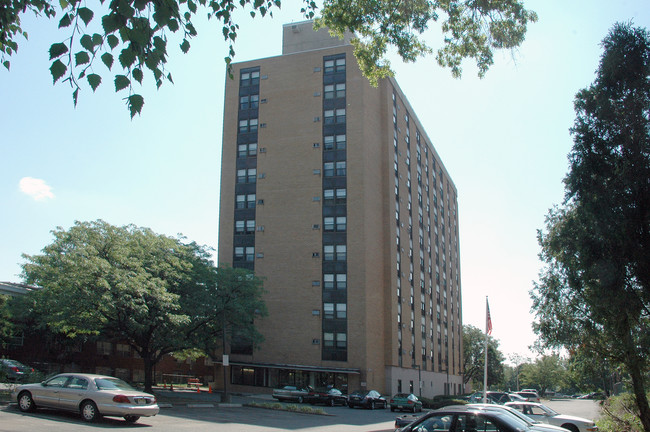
(89, 411)
(131, 418)
(372, 405)
(25, 402)
(413, 409)
(350, 406)
(331, 402)
(392, 409)
(300, 399)
(571, 427)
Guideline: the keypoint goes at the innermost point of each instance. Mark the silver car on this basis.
(90, 395)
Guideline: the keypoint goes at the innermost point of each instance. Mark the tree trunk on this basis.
(148, 369)
(638, 386)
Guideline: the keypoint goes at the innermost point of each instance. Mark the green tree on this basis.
(6, 326)
(119, 283)
(594, 292)
(474, 358)
(132, 36)
(546, 373)
(227, 313)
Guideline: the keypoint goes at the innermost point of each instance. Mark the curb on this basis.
(200, 405)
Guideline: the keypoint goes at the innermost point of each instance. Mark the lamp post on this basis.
(419, 378)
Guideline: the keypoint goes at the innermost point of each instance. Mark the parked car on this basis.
(93, 396)
(530, 396)
(14, 370)
(290, 393)
(544, 414)
(515, 397)
(370, 399)
(326, 395)
(406, 419)
(534, 425)
(492, 397)
(405, 402)
(462, 418)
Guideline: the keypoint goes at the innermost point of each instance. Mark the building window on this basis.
(328, 224)
(245, 253)
(328, 252)
(330, 339)
(334, 91)
(328, 169)
(340, 115)
(340, 168)
(249, 79)
(248, 125)
(246, 175)
(337, 142)
(249, 102)
(328, 310)
(250, 201)
(245, 150)
(341, 195)
(341, 281)
(328, 115)
(104, 348)
(341, 252)
(337, 65)
(341, 223)
(328, 281)
(341, 340)
(341, 310)
(240, 201)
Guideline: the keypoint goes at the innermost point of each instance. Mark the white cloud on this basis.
(35, 188)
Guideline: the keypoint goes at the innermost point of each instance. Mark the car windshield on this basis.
(112, 384)
(514, 422)
(549, 410)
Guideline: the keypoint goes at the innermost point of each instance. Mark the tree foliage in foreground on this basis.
(594, 293)
(227, 314)
(129, 285)
(6, 327)
(474, 358)
(121, 40)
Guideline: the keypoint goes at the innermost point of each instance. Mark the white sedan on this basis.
(544, 414)
(90, 395)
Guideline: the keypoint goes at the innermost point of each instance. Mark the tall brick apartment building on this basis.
(332, 191)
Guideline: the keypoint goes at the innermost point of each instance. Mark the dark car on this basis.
(406, 419)
(405, 402)
(459, 418)
(492, 397)
(326, 396)
(14, 370)
(369, 399)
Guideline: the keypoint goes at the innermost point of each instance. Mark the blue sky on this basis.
(504, 139)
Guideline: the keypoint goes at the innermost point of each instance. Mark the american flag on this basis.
(488, 327)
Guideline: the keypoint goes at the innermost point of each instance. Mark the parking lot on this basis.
(181, 417)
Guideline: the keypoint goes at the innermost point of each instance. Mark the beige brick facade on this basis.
(291, 215)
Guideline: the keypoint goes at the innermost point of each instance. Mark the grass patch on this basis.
(289, 407)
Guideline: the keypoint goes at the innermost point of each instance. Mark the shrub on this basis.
(442, 401)
(620, 414)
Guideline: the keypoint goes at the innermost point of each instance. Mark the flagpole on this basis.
(488, 329)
